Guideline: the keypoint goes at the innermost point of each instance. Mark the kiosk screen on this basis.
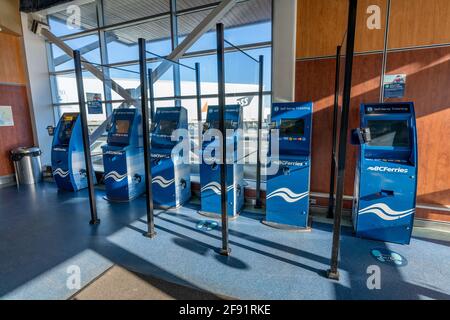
(167, 127)
(122, 127)
(389, 133)
(292, 127)
(66, 130)
(229, 124)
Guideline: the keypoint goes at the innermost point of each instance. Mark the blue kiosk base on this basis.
(288, 228)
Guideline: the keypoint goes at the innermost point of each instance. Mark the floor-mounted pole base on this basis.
(150, 235)
(94, 222)
(333, 275)
(225, 252)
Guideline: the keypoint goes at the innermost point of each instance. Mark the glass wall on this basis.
(108, 33)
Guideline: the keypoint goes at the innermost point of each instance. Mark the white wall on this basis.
(40, 92)
(284, 47)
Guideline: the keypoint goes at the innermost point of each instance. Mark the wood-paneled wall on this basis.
(413, 23)
(322, 26)
(419, 23)
(13, 92)
(428, 85)
(12, 67)
(21, 133)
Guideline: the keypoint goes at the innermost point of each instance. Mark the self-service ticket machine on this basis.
(171, 183)
(287, 200)
(386, 172)
(123, 157)
(68, 163)
(210, 167)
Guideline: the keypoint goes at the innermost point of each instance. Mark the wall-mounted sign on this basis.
(94, 103)
(6, 116)
(394, 86)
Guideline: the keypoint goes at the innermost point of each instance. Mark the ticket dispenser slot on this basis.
(386, 173)
(210, 168)
(287, 200)
(68, 163)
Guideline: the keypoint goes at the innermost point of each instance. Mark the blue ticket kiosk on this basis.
(386, 172)
(68, 163)
(211, 165)
(287, 195)
(123, 157)
(171, 183)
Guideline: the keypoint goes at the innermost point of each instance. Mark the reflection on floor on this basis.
(46, 243)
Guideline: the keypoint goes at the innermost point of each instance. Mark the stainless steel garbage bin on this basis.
(27, 164)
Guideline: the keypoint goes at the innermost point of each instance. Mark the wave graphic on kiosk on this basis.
(115, 176)
(215, 187)
(385, 212)
(163, 183)
(288, 195)
(60, 172)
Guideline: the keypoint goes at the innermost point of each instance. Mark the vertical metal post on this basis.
(334, 141)
(86, 142)
(226, 251)
(146, 136)
(258, 203)
(152, 94)
(199, 104)
(385, 50)
(104, 57)
(174, 37)
(333, 273)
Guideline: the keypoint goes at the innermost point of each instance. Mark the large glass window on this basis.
(73, 19)
(113, 40)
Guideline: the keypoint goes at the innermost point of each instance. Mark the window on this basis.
(64, 22)
(114, 41)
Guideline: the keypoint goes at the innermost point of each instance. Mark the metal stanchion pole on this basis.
(333, 273)
(258, 203)
(146, 136)
(85, 133)
(226, 251)
(335, 128)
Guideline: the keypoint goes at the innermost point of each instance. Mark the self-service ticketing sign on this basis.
(171, 183)
(68, 163)
(386, 173)
(287, 199)
(211, 167)
(123, 157)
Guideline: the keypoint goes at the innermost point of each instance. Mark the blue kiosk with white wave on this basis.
(170, 167)
(68, 163)
(123, 156)
(211, 165)
(287, 195)
(386, 172)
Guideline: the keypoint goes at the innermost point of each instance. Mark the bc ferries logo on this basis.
(389, 257)
(60, 172)
(288, 195)
(387, 169)
(162, 182)
(215, 187)
(115, 176)
(384, 212)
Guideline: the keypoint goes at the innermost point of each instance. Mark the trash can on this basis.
(27, 164)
